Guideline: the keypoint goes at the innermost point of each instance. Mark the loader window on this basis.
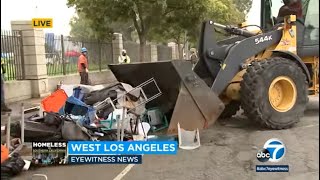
(269, 21)
(311, 33)
(275, 10)
(271, 12)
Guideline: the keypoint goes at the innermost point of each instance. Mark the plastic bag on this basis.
(12, 166)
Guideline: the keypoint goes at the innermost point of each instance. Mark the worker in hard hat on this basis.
(124, 58)
(83, 67)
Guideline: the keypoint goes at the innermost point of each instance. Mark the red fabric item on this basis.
(72, 54)
(55, 101)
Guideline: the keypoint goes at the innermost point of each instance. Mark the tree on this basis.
(159, 19)
(227, 12)
(125, 28)
(141, 12)
(144, 14)
(172, 32)
(188, 19)
(243, 5)
(83, 29)
(181, 17)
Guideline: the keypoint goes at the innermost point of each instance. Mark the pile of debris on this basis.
(118, 112)
(80, 112)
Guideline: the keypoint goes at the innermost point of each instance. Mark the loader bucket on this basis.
(185, 97)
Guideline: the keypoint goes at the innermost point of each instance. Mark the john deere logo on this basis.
(42, 23)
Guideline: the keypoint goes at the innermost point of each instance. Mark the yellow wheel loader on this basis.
(268, 74)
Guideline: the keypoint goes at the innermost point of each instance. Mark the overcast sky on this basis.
(28, 9)
(253, 16)
(61, 14)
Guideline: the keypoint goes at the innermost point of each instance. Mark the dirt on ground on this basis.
(228, 151)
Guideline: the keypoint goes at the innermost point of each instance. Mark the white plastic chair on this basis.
(188, 140)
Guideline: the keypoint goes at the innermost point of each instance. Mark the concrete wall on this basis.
(22, 90)
(117, 46)
(104, 77)
(133, 51)
(17, 90)
(153, 53)
(164, 53)
(34, 57)
(147, 53)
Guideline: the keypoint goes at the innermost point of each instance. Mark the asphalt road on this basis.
(228, 151)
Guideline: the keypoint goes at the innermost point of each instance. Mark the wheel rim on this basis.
(282, 94)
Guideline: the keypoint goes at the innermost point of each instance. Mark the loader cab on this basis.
(307, 12)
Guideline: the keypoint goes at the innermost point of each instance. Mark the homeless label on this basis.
(129, 147)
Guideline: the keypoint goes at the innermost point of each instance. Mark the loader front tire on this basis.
(274, 92)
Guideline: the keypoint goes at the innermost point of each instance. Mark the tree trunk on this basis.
(142, 46)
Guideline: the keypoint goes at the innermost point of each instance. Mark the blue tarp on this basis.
(76, 107)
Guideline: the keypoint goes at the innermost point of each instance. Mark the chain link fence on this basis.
(62, 54)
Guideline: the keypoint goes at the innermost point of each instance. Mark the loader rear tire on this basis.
(230, 109)
(258, 100)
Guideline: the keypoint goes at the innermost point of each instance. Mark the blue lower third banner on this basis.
(122, 148)
(272, 168)
(105, 159)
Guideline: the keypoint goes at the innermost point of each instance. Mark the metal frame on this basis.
(124, 97)
(25, 111)
(8, 128)
(140, 87)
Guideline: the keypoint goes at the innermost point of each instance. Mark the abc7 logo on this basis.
(273, 151)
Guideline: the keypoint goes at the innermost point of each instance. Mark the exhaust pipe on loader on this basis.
(184, 94)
